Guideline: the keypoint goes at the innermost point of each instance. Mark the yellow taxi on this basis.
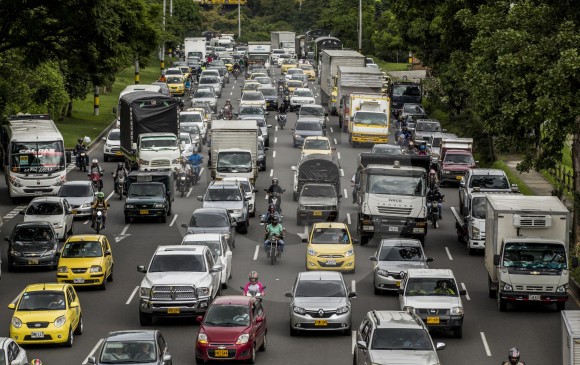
(288, 64)
(176, 85)
(229, 63)
(86, 260)
(206, 113)
(308, 71)
(186, 71)
(292, 85)
(46, 313)
(330, 247)
(317, 145)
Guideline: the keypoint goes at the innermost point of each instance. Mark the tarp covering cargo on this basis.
(365, 159)
(146, 112)
(320, 169)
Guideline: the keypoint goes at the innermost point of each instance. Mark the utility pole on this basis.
(162, 55)
(360, 26)
(239, 20)
(171, 8)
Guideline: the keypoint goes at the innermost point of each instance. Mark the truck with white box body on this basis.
(570, 337)
(526, 250)
(359, 79)
(234, 149)
(284, 40)
(194, 48)
(331, 59)
(259, 54)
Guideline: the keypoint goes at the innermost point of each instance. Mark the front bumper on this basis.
(174, 308)
(334, 322)
(445, 321)
(271, 104)
(43, 335)
(533, 297)
(395, 226)
(476, 244)
(82, 279)
(22, 261)
(234, 352)
(451, 176)
(142, 213)
(317, 215)
(112, 152)
(339, 263)
(391, 282)
(82, 212)
(369, 139)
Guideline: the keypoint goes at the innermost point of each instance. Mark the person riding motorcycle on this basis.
(95, 168)
(99, 204)
(123, 171)
(80, 148)
(274, 188)
(274, 229)
(435, 194)
(254, 285)
(195, 161)
(228, 109)
(422, 150)
(513, 357)
(283, 109)
(185, 167)
(271, 213)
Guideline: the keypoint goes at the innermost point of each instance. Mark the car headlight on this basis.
(243, 339)
(299, 310)
(145, 292)
(311, 252)
(475, 233)
(86, 205)
(349, 253)
(49, 253)
(159, 205)
(382, 272)
(62, 269)
(446, 171)
(16, 322)
(227, 236)
(203, 291)
(456, 311)
(13, 252)
(60, 321)
(506, 286)
(202, 338)
(96, 268)
(562, 288)
(342, 310)
(143, 162)
(238, 211)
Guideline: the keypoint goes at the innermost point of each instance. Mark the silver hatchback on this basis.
(320, 302)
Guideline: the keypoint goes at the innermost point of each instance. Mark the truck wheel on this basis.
(501, 304)
(127, 220)
(145, 320)
(560, 306)
(492, 293)
(364, 240)
(164, 219)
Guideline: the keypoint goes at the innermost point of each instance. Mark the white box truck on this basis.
(234, 149)
(330, 59)
(369, 119)
(284, 40)
(194, 48)
(571, 337)
(526, 250)
(355, 79)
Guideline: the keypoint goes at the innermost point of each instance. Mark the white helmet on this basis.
(95, 161)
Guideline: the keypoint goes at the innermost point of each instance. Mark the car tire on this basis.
(252, 359)
(164, 219)
(71, 338)
(377, 290)
(244, 228)
(560, 306)
(253, 214)
(199, 361)
(501, 303)
(145, 320)
(347, 332)
(80, 327)
(103, 285)
(264, 343)
(364, 240)
(105, 158)
(293, 332)
(458, 332)
(110, 277)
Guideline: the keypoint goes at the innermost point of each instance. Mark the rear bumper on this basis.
(139, 213)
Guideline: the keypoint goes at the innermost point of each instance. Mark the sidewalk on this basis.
(533, 179)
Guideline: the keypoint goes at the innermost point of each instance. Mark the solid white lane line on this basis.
(173, 220)
(353, 341)
(271, 172)
(335, 141)
(338, 155)
(110, 195)
(93, 351)
(273, 154)
(201, 171)
(341, 172)
(87, 221)
(345, 194)
(348, 218)
(256, 252)
(485, 345)
(132, 295)
(353, 286)
(275, 139)
(331, 130)
(189, 192)
(466, 293)
(448, 254)
(125, 229)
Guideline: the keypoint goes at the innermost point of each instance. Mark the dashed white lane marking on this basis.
(271, 172)
(273, 154)
(233, 87)
(256, 252)
(14, 212)
(448, 254)
(353, 286)
(87, 221)
(93, 351)
(335, 142)
(485, 345)
(201, 171)
(132, 295)
(173, 220)
(276, 128)
(125, 229)
(189, 192)
(348, 219)
(110, 195)
(353, 341)
(331, 130)
(338, 155)
(275, 139)
(231, 93)
(466, 293)
(345, 194)
(341, 172)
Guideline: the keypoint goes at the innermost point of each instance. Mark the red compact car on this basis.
(234, 328)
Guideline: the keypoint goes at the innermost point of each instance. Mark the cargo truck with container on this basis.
(234, 149)
(526, 250)
(369, 120)
(259, 54)
(404, 92)
(456, 159)
(194, 48)
(283, 40)
(330, 60)
(350, 80)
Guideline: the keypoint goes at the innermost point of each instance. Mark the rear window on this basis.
(489, 182)
(44, 208)
(208, 219)
(252, 96)
(74, 191)
(309, 126)
(208, 80)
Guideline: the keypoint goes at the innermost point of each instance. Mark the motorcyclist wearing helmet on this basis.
(435, 194)
(228, 109)
(513, 357)
(270, 214)
(186, 167)
(100, 204)
(96, 168)
(274, 229)
(422, 150)
(275, 188)
(283, 109)
(79, 148)
(254, 285)
(195, 161)
(120, 171)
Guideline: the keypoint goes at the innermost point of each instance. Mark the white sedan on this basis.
(218, 245)
(249, 190)
(52, 209)
(11, 353)
(301, 96)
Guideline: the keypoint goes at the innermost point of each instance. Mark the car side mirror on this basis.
(12, 306)
(200, 198)
(217, 268)
(355, 241)
(107, 253)
(166, 359)
(267, 113)
(73, 304)
(462, 183)
(142, 269)
(496, 259)
(326, 114)
(7, 239)
(352, 294)
(288, 295)
(361, 345)
(574, 262)
(134, 146)
(305, 240)
(104, 139)
(400, 291)
(255, 190)
(463, 292)
(266, 148)
(429, 259)
(259, 319)
(91, 360)
(440, 346)
(269, 126)
(293, 168)
(199, 319)
(184, 225)
(373, 258)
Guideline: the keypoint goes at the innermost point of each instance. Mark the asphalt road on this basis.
(487, 334)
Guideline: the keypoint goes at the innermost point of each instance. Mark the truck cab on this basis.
(157, 151)
(456, 159)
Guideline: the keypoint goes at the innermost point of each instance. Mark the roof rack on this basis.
(376, 317)
(29, 116)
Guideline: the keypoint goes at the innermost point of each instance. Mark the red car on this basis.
(234, 328)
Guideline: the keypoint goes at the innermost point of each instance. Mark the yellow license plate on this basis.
(74, 212)
(432, 320)
(143, 211)
(221, 353)
(173, 310)
(320, 323)
(398, 283)
(458, 177)
(317, 213)
(33, 262)
(118, 153)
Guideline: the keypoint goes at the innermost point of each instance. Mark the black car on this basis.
(133, 347)
(32, 244)
(318, 202)
(150, 195)
(213, 220)
(271, 96)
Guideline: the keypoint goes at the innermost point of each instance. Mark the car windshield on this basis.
(251, 86)
(396, 185)
(295, 71)
(128, 352)
(255, 75)
(303, 93)
(219, 194)
(252, 96)
(401, 339)
(42, 301)
(371, 118)
(190, 117)
(307, 67)
(158, 142)
(145, 190)
(479, 207)
(75, 191)
(413, 109)
(263, 80)
(320, 288)
(78, 249)
(428, 127)
(316, 144)
(181, 263)
(294, 84)
(318, 191)
(251, 110)
(173, 71)
(214, 246)
(401, 253)
(431, 286)
(289, 61)
(406, 90)
(325, 236)
(115, 135)
(315, 126)
(209, 220)
(227, 316)
(301, 77)
(387, 149)
(522, 256)
(208, 80)
(489, 182)
(185, 138)
(37, 157)
(190, 128)
(174, 80)
(44, 208)
(459, 159)
(309, 110)
(203, 94)
(269, 92)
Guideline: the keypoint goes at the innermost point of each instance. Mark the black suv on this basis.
(32, 244)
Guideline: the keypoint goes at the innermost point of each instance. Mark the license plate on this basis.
(221, 353)
(79, 281)
(317, 213)
(143, 211)
(458, 177)
(74, 212)
(37, 335)
(38, 192)
(534, 297)
(432, 320)
(330, 262)
(33, 262)
(398, 283)
(320, 323)
(368, 228)
(172, 310)
(393, 229)
(118, 153)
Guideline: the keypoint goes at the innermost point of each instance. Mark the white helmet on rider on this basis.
(95, 161)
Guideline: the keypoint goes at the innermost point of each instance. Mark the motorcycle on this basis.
(276, 199)
(281, 119)
(228, 112)
(82, 161)
(182, 182)
(434, 213)
(99, 220)
(96, 180)
(263, 219)
(274, 253)
(236, 73)
(254, 293)
(120, 185)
